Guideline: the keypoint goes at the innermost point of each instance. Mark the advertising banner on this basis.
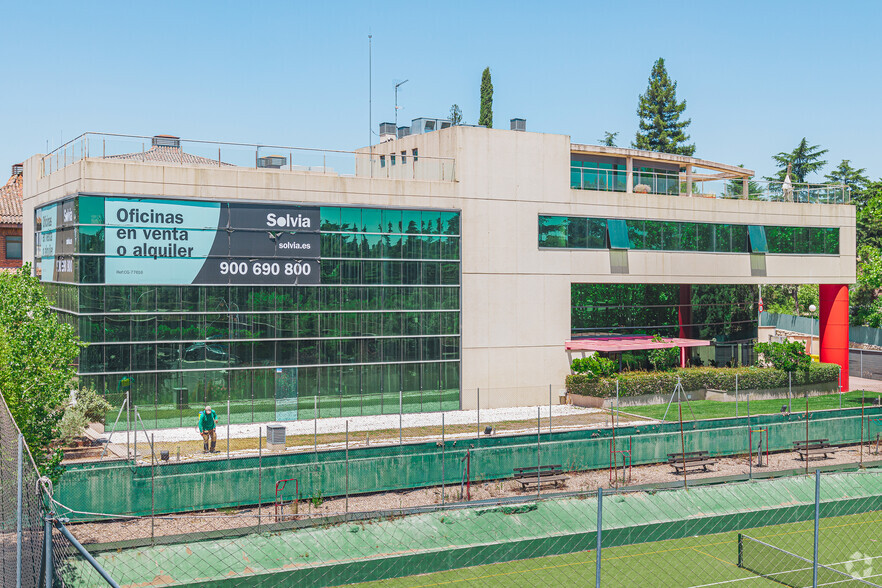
(151, 241)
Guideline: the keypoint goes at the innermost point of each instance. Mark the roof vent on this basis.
(17, 169)
(519, 124)
(167, 141)
(272, 161)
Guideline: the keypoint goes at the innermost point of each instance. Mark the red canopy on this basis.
(617, 344)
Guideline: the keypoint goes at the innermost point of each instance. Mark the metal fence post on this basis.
(817, 518)
(789, 391)
(152, 491)
(315, 428)
(443, 446)
(18, 511)
(347, 467)
(736, 395)
(47, 538)
(549, 408)
(599, 530)
(228, 429)
(538, 451)
(400, 410)
(128, 426)
(135, 437)
(479, 413)
(259, 476)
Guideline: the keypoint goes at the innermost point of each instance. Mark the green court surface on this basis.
(848, 543)
(651, 538)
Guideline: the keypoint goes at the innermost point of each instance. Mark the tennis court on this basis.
(850, 544)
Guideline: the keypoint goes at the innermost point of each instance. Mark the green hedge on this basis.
(749, 378)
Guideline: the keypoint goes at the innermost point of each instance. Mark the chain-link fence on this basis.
(770, 532)
(21, 508)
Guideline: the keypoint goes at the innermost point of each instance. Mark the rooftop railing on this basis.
(167, 150)
(672, 184)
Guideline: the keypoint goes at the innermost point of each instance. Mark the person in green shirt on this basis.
(207, 428)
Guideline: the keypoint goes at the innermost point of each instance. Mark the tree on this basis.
(805, 159)
(869, 215)
(660, 126)
(455, 115)
(665, 358)
(787, 357)
(845, 175)
(609, 139)
(37, 367)
(486, 116)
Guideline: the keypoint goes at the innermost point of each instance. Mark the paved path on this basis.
(855, 383)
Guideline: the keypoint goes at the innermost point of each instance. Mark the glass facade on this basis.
(380, 328)
(609, 174)
(593, 233)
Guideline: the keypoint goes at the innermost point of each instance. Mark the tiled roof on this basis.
(10, 201)
(167, 154)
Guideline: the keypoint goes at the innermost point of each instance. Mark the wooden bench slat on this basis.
(529, 481)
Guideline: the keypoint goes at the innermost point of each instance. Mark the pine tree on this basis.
(660, 126)
(609, 139)
(805, 159)
(845, 175)
(486, 116)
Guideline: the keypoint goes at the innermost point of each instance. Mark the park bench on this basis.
(690, 460)
(536, 475)
(813, 447)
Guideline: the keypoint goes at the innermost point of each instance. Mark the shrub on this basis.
(749, 378)
(594, 365)
(89, 408)
(663, 359)
(790, 356)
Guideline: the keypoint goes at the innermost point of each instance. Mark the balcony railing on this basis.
(672, 184)
(185, 152)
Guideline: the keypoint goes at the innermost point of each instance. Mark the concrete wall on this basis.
(515, 298)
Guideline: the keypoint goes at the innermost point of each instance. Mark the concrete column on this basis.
(689, 180)
(833, 331)
(684, 319)
(745, 186)
(629, 171)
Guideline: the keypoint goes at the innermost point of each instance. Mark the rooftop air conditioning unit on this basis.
(167, 141)
(519, 124)
(272, 161)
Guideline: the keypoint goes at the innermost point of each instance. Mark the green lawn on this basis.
(694, 561)
(709, 409)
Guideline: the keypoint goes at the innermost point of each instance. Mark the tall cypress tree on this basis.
(660, 126)
(486, 117)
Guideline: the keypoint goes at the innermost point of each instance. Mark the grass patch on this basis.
(709, 409)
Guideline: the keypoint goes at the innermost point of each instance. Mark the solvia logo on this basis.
(288, 221)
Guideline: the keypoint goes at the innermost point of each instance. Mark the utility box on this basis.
(275, 438)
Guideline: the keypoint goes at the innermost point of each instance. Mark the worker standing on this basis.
(208, 428)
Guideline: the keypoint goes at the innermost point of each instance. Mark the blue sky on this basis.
(757, 76)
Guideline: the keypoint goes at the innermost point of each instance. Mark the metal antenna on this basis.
(396, 105)
(370, 105)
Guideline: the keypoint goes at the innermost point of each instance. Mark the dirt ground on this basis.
(192, 449)
(195, 523)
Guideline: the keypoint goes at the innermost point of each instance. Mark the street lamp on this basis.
(812, 309)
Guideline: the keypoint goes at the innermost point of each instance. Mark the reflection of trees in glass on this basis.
(724, 312)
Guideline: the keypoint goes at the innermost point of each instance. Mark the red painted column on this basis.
(684, 319)
(834, 328)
